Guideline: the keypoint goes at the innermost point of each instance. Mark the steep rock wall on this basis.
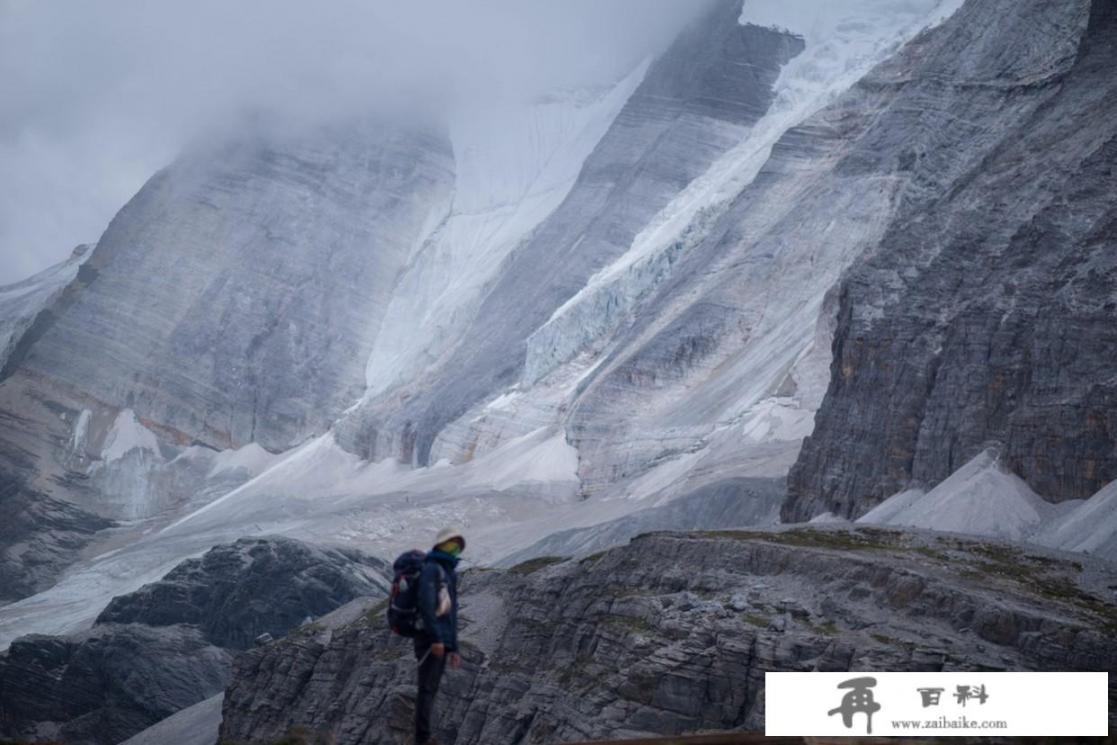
(987, 316)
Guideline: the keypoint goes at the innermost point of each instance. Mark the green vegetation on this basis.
(1037, 575)
(758, 619)
(885, 639)
(857, 539)
(592, 557)
(828, 628)
(534, 565)
(629, 623)
(375, 614)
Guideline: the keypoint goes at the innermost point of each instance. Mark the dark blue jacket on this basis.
(439, 569)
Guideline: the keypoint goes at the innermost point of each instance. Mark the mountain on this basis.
(850, 265)
(847, 266)
(229, 311)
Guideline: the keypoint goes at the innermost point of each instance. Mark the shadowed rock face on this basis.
(105, 684)
(39, 536)
(170, 644)
(674, 632)
(987, 316)
(238, 591)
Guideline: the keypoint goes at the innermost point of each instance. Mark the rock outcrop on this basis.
(103, 685)
(38, 537)
(673, 633)
(236, 592)
(170, 645)
(986, 317)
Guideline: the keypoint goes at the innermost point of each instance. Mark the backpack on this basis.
(403, 601)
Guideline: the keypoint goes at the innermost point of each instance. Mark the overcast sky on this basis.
(96, 95)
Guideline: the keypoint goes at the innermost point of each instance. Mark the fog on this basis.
(96, 95)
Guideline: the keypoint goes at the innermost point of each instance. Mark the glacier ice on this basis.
(513, 165)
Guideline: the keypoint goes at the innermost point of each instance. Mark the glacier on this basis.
(513, 165)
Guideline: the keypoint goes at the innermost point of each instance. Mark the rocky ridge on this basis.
(673, 633)
(171, 644)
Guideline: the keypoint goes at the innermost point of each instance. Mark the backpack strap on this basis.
(441, 572)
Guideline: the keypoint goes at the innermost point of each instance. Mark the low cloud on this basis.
(96, 95)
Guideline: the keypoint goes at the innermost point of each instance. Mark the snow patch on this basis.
(319, 492)
(663, 475)
(126, 435)
(540, 456)
(252, 458)
(827, 518)
(817, 22)
(81, 432)
(893, 509)
(321, 476)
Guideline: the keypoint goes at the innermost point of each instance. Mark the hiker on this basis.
(436, 642)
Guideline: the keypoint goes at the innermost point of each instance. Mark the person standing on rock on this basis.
(437, 642)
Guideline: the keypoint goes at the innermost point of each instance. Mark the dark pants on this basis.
(430, 675)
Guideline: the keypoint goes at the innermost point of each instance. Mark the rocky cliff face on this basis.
(189, 319)
(986, 315)
(171, 644)
(673, 634)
